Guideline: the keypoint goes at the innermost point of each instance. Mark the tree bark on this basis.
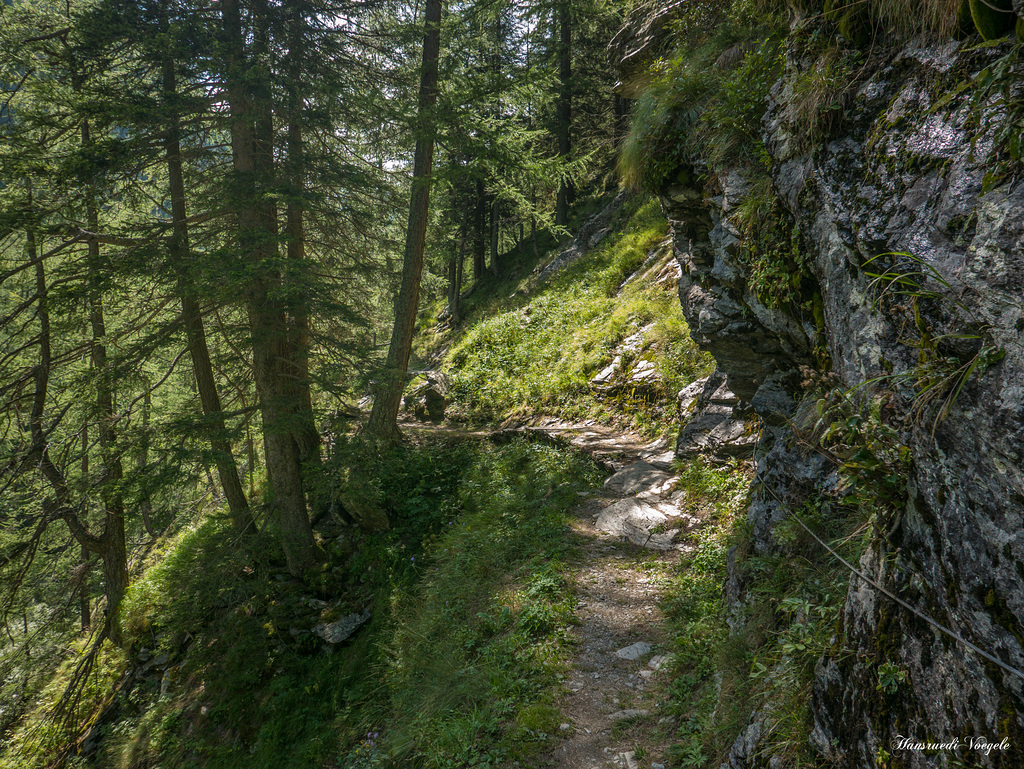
(146, 500)
(112, 550)
(455, 267)
(252, 158)
(306, 434)
(195, 332)
(479, 240)
(110, 546)
(495, 236)
(564, 109)
(383, 422)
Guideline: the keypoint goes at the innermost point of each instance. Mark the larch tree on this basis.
(383, 420)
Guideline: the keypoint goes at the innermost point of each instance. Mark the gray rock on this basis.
(905, 176)
(634, 651)
(640, 522)
(662, 461)
(428, 398)
(604, 378)
(589, 235)
(637, 477)
(687, 397)
(336, 632)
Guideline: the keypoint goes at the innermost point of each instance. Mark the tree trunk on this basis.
(84, 604)
(110, 546)
(252, 158)
(455, 278)
(113, 550)
(206, 384)
(306, 434)
(564, 109)
(479, 241)
(383, 422)
(495, 234)
(146, 501)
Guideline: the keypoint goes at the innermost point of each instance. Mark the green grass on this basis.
(708, 706)
(792, 600)
(458, 667)
(539, 353)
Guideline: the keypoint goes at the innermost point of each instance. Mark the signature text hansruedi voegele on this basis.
(971, 743)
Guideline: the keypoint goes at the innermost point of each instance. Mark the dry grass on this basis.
(932, 18)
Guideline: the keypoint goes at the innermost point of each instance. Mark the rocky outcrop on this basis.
(716, 422)
(589, 236)
(918, 180)
(427, 398)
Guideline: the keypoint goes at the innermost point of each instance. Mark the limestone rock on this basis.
(637, 477)
(717, 426)
(428, 399)
(603, 379)
(909, 173)
(634, 651)
(589, 235)
(336, 632)
(640, 522)
(688, 396)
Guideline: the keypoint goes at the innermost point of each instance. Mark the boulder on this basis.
(428, 398)
(336, 632)
(642, 523)
(636, 478)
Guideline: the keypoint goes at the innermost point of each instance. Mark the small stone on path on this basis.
(634, 651)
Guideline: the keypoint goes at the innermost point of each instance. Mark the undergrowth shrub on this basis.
(470, 652)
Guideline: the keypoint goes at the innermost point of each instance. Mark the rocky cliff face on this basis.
(919, 181)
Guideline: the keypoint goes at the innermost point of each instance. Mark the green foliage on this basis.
(993, 18)
(822, 91)
(946, 361)
(890, 677)
(471, 649)
(458, 666)
(709, 708)
(40, 735)
(778, 269)
(792, 616)
(538, 354)
(729, 132)
(695, 109)
(996, 108)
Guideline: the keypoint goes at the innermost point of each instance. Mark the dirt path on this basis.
(610, 699)
(610, 447)
(618, 671)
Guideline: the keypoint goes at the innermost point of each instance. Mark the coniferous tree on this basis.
(383, 424)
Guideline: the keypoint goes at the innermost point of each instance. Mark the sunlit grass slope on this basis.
(537, 351)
